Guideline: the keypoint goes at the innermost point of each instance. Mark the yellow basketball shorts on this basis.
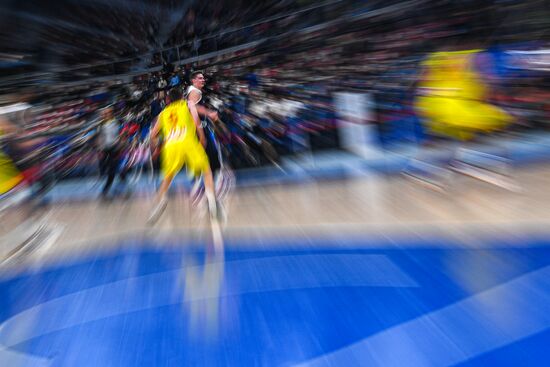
(461, 118)
(175, 155)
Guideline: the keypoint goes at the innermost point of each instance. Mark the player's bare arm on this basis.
(196, 120)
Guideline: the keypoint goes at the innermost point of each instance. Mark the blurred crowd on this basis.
(275, 97)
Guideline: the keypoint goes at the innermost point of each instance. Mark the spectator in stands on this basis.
(156, 105)
(175, 80)
(111, 148)
(162, 84)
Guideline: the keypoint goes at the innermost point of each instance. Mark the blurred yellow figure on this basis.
(9, 174)
(453, 97)
(184, 142)
(181, 147)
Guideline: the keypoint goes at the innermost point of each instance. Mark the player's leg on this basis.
(111, 165)
(221, 174)
(161, 200)
(164, 186)
(171, 164)
(212, 153)
(198, 163)
(210, 191)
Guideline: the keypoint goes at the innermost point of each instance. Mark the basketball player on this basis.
(453, 105)
(183, 144)
(10, 176)
(14, 187)
(194, 96)
(11, 118)
(223, 178)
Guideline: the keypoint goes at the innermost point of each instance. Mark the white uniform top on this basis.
(192, 88)
(189, 90)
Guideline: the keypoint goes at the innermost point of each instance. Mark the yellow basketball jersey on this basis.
(9, 174)
(452, 102)
(450, 74)
(177, 124)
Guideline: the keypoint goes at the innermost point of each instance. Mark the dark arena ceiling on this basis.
(44, 42)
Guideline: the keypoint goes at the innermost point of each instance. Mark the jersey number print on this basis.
(176, 132)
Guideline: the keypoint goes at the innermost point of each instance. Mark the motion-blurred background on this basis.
(288, 77)
(382, 160)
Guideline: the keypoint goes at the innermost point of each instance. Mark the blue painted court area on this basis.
(283, 305)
